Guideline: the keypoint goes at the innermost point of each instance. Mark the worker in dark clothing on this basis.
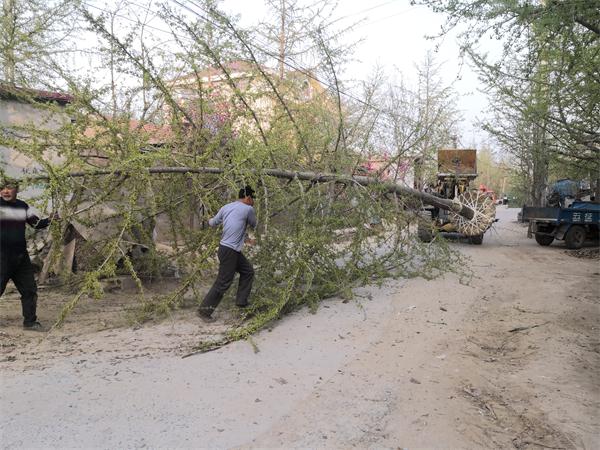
(235, 217)
(15, 264)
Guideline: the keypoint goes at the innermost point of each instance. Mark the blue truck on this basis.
(575, 224)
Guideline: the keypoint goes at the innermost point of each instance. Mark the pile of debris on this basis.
(585, 253)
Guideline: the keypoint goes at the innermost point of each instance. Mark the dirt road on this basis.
(510, 360)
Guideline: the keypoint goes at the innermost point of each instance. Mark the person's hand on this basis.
(54, 216)
(250, 242)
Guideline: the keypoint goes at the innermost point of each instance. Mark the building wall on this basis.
(401, 171)
(15, 114)
(256, 91)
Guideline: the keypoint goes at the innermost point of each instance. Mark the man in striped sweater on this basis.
(15, 264)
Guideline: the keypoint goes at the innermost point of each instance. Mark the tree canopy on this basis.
(544, 81)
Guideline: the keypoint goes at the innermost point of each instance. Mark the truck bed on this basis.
(577, 213)
(540, 213)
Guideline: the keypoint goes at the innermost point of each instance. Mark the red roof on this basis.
(18, 93)
(156, 134)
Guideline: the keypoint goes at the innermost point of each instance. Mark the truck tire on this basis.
(544, 239)
(575, 237)
(476, 240)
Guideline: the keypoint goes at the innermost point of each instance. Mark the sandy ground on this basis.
(510, 360)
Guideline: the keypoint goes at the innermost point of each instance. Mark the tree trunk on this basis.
(539, 176)
(8, 23)
(314, 177)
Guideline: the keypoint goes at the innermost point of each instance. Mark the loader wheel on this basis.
(476, 240)
(575, 237)
(483, 209)
(544, 239)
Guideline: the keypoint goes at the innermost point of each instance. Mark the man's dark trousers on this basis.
(230, 262)
(17, 266)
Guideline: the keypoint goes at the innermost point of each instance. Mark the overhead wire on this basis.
(358, 24)
(358, 12)
(352, 14)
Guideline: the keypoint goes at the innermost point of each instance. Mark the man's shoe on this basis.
(33, 326)
(206, 318)
(242, 306)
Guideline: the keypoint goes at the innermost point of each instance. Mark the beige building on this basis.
(229, 94)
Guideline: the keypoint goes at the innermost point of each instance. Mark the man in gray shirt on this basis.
(235, 217)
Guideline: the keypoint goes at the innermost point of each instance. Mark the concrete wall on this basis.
(15, 114)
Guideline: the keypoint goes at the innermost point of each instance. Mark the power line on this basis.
(387, 17)
(348, 15)
(358, 24)
(360, 12)
(169, 32)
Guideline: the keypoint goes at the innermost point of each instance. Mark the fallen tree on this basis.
(466, 211)
(301, 257)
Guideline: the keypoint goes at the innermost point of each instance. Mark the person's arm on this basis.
(35, 222)
(217, 219)
(251, 218)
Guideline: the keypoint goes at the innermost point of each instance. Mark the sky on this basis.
(393, 36)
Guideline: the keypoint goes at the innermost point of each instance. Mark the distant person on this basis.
(505, 200)
(235, 217)
(15, 264)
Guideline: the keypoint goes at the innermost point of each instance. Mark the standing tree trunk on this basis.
(9, 38)
(539, 176)
(540, 147)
